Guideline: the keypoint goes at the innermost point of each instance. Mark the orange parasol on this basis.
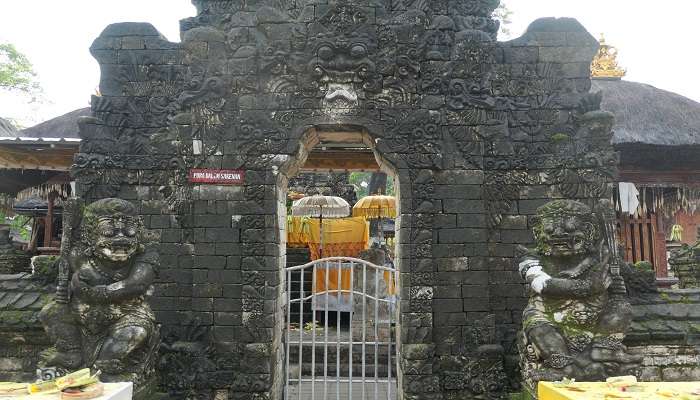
(376, 207)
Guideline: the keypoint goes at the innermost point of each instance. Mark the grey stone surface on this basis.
(578, 312)
(465, 123)
(685, 264)
(100, 317)
(12, 260)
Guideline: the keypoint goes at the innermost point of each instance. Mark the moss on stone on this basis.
(559, 137)
(682, 299)
(522, 395)
(12, 317)
(45, 268)
(644, 266)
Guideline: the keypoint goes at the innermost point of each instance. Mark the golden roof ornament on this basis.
(604, 64)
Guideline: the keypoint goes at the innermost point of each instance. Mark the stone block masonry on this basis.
(478, 134)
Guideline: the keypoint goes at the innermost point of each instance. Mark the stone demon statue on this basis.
(100, 317)
(578, 311)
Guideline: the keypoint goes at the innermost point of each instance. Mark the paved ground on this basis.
(344, 392)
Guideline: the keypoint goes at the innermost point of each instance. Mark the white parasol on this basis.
(319, 206)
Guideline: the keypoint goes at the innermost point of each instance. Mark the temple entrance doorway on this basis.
(340, 277)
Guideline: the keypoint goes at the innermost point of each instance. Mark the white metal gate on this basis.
(352, 354)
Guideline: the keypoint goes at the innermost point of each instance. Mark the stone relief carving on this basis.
(100, 317)
(186, 359)
(428, 76)
(578, 311)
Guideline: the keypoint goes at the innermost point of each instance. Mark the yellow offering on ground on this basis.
(618, 388)
(622, 380)
(45, 387)
(90, 391)
(13, 388)
(77, 379)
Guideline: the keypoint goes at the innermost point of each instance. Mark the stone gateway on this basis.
(477, 133)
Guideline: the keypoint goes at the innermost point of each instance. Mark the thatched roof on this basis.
(34, 206)
(647, 115)
(12, 181)
(47, 146)
(65, 126)
(7, 128)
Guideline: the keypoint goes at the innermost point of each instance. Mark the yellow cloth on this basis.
(341, 236)
(298, 231)
(320, 279)
(345, 276)
(605, 391)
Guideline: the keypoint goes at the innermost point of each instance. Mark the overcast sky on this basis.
(657, 41)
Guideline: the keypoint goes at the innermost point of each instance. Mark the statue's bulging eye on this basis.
(107, 231)
(548, 228)
(130, 231)
(325, 53)
(358, 51)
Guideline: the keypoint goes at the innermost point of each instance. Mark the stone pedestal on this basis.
(685, 264)
(376, 305)
(12, 260)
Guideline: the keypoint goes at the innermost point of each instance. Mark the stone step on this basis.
(343, 390)
(382, 359)
(382, 370)
(298, 256)
(307, 351)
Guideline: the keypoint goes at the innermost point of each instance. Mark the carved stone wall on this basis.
(331, 184)
(478, 133)
(666, 332)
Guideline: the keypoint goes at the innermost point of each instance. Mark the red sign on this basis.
(217, 176)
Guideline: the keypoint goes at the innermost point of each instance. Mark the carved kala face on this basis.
(565, 228)
(116, 238)
(563, 237)
(438, 45)
(343, 67)
(112, 230)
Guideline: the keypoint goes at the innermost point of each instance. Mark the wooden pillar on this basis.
(627, 234)
(35, 236)
(660, 247)
(48, 225)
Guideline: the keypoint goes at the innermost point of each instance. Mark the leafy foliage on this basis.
(17, 223)
(503, 14)
(17, 72)
(361, 182)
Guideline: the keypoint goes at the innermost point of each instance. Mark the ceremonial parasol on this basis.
(376, 207)
(320, 206)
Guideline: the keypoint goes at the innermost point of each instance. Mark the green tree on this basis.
(503, 14)
(18, 223)
(363, 183)
(17, 72)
